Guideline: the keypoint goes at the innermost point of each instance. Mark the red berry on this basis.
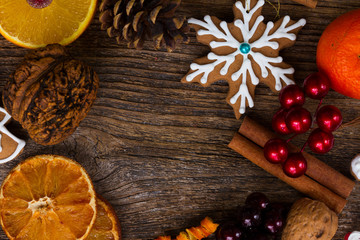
(275, 150)
(295, 166)
(316, 85)
(320, 141)
(298, 120)
(329, 118)
(291, 95)
(278, 122)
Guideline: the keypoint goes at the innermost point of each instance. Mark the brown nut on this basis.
(310, 220)
(50, 93)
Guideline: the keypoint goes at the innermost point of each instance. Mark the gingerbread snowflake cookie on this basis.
(244, 53)
(10, 145)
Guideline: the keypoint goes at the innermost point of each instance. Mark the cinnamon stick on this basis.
(317, 170)
(303, 184)
(308, 3)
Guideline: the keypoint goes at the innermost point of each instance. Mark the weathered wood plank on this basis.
(157, 148)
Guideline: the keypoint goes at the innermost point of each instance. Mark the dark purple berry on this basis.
(229, 231)
(249, 216)
(257, 199)
(274, 221)
(280, 208)
(259, 235)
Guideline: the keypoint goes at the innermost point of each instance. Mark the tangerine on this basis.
(37, 23)
(338, 54)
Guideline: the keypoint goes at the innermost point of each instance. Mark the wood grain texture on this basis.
(156, 149)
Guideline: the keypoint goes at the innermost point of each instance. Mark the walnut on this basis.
(310, 220)
(50, 93)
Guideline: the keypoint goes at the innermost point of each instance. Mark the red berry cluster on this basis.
(292, 118)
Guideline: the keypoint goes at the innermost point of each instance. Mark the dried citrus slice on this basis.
(106, 226)
(36, 23)
(47, 197)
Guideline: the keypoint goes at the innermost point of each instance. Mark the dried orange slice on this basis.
(47, 197)
(107, 226)
(36, 23)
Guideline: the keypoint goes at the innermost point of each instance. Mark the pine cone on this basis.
(140, 20)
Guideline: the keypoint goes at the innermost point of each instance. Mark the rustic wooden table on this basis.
(157, 148)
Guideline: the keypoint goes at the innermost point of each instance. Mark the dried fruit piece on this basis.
(137, 20)
(206, 228)
(47, 197)
(50, 93)
(164, 238)
(107, 225)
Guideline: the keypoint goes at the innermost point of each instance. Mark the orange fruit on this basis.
(47, 197)
(106, 226)
(37, 23)
(338, 54)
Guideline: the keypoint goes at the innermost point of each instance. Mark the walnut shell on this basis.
(310, 220)
(50, 93)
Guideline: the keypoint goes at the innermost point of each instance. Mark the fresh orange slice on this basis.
(36, 23)
(107, 226)
(47, 197)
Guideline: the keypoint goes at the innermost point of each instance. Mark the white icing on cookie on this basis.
(354, 236)
(281, 32)
(3, 129)
(224, 38)
(355, 166)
